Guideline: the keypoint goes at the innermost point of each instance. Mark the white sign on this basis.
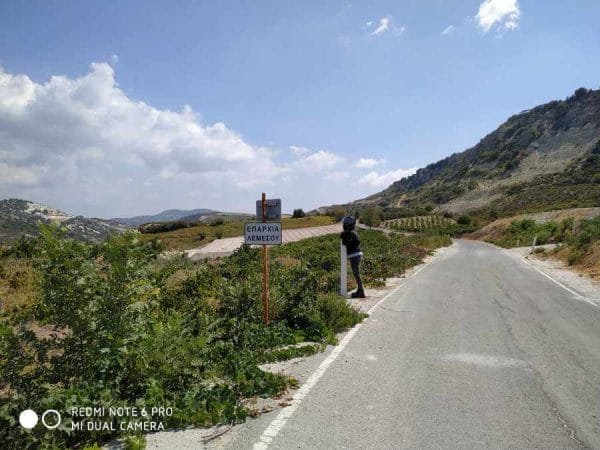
(273, 209)
(258, 233)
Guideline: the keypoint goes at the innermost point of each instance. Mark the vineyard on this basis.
(117, 324)
(418, 223)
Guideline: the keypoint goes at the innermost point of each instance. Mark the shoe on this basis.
(358, 294)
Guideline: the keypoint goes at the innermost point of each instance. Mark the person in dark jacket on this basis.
(350, 239)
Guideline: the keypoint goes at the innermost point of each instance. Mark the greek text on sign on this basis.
(258, 233)
(273, 212)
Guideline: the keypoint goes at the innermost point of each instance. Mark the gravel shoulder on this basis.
(587, 288)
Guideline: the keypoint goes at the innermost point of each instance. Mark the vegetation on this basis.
(582, 247)
(419, 223)
(338, 212)
(487, 173)
(370, 216)
(201, 233)
(114, 324)
(523, 232)
(298, 213)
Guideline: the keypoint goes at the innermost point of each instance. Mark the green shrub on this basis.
(464, 220)
(298, 213)
(574, 256)
(133, 329)
(333, 310)
(216, 222)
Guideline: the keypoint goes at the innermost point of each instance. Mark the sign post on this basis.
(266, 232)
(265, 255)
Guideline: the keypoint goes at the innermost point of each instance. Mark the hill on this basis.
(168, 215)
(547, 157)
(22, 217)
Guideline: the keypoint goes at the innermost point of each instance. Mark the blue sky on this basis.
(206, 104)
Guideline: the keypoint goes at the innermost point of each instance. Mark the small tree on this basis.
(338, 212)
(298, 213)
(371, 217)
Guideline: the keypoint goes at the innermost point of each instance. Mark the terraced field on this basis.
(418, 223)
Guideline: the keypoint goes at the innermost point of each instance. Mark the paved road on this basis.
(476, 350)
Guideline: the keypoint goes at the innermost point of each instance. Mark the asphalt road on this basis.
(476, 350)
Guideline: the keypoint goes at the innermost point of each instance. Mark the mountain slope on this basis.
(165, 216)
(22, 217)
(543, 158)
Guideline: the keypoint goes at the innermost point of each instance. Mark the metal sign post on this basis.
(265, 255)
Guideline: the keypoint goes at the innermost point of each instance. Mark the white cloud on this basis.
(83, 145)
(448, 30)
(367, 163)
(377, 180)
(315, 161)
(384, 24)
(503, 13)
(299, 151)
(69, 133)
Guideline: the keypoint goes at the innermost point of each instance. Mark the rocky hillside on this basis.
(547, 157)
(22, 217)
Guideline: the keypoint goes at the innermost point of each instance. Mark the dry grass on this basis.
(496, 229)
(588, 264)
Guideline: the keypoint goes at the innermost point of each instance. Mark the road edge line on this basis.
(576, 294)
(286, 413)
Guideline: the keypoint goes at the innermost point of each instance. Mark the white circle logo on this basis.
(51, 426)
(28, 419)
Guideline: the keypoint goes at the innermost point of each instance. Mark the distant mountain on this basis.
(167, 216)
(22, 217)
(544, 158)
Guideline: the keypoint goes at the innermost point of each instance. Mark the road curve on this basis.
(476, 350)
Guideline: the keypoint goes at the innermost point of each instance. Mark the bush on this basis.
(371, 216)
(216, 222)
(298, 213)
(574, 257)
(335, 313)
(464, 220)
(25, 247)
(161, 227)
(338, 212)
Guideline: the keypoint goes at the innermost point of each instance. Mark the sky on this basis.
(124, 108)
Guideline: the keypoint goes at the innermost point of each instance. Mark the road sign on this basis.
(273, 213)
(259, 233)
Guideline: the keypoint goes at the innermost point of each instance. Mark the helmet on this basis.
(348, 223)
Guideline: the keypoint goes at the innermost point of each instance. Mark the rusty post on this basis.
(265, 255)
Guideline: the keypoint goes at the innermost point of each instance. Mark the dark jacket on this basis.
(351, 241)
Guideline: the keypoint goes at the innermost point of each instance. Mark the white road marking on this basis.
(484, 360)
(278, 423)
(577, 295)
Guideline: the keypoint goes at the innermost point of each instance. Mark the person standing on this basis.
(350, 239)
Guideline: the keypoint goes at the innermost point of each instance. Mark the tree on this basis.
(298, 213)
(338, 212)
(371, 217)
